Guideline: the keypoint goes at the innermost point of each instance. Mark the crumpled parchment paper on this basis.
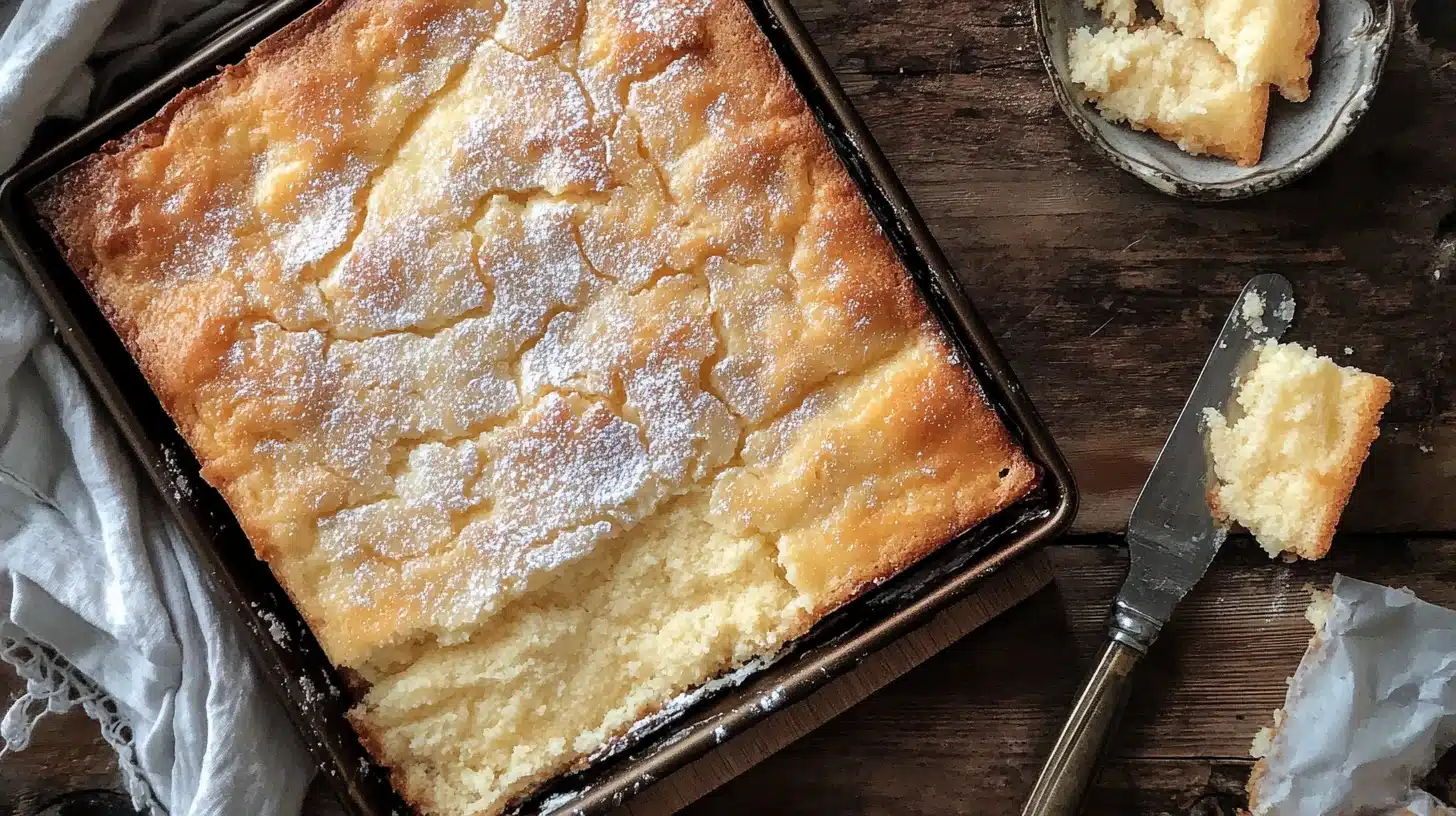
(1369, 711)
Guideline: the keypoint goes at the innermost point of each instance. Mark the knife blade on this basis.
(1172, 537)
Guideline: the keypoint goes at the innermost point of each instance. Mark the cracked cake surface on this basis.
(545, 352)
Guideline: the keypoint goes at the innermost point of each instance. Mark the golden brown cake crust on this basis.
(1243, 146)
(1343, 481)
(1302, 427)
(1296, 88)
(456, 302)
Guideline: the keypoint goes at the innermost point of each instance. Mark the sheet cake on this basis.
(545, 352)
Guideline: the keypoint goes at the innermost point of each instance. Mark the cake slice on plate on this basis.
(1178, 87)
(1268, 41)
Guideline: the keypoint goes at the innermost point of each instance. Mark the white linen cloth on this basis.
(102, 604)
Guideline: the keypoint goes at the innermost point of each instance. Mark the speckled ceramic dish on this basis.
(1354, 39)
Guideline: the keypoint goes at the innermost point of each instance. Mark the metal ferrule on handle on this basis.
(1132, 628)
(1073, 760)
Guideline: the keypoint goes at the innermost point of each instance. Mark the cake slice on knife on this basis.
(1288, 454)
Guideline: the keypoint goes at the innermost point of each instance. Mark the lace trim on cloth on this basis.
(53, 685)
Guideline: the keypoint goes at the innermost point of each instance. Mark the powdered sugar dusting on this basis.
(534, 131)
(536, 267)
(323, 214)
(570, 475)
(505, 297)
(531, 27)
(401, 275)
(205, 246)
(674, 22)
(654, 344)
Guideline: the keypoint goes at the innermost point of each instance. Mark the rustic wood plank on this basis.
(965, 732)
(1106, 294)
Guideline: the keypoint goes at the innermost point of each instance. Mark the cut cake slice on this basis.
(1287, 457)
(1268, 41)
(1179, 87)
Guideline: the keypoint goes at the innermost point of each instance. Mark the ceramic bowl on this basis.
(1355, 37)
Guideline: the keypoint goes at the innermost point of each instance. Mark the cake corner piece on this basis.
(1178, 87)
(1288, 453)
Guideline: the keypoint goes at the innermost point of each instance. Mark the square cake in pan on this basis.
(543, 349)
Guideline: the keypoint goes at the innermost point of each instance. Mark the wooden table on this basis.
(1106, 295)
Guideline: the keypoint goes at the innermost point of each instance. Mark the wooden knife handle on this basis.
(1068, 771)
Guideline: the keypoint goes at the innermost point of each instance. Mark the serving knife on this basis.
(1172, 537)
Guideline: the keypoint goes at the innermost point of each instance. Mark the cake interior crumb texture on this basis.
(545, 352)
(1176, 86)
(1268, 41)
(1287, 456)
(1120, 12)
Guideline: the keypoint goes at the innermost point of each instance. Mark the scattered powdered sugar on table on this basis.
(276, 629)
(310, 692)
(180, 488)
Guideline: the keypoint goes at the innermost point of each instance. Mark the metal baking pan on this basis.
(314, 694)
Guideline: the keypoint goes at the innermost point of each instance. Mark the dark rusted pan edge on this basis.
(314, 695)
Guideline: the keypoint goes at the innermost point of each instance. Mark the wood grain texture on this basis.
(1106, 294)
(66, 755)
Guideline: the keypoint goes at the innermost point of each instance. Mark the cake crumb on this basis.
(276, 629)
(1267, 41)
(1252, 310)
(1285, 310)
(309, 691)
